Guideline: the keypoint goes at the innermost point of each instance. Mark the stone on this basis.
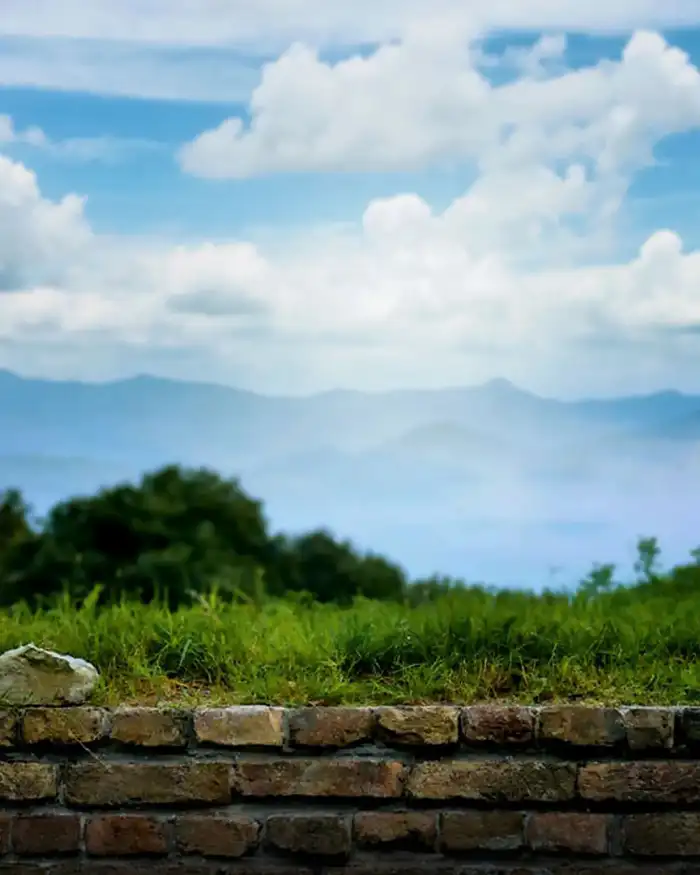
(23, 782)
(581, 726)
(240, 726)
(569, 832)
(324, 835)
(498, 724)
(481, 831)
(112, 835)
(211, 835)
(669, 782)
(649, 728)
(30, 675)
(76, 725)
(43, 834)
(493, 780)
(167, 783)
(425, 725)
(149, 727)
(340, 778)
(330, 727)
(662, 834)
(9, 721)
(414, 830)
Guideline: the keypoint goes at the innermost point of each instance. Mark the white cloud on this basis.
(210, 50)
(275, 23)
(126, 69)
(411, 297)
(423, 101)
(40, 241)
(104, 149)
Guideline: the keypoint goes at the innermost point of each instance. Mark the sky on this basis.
(292, 196)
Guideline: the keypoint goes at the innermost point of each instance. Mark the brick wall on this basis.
(483, 790)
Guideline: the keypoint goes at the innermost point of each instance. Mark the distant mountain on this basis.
(447, 480)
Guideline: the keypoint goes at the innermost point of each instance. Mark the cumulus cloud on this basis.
(40, 241)
(424, 101)
(412, 296)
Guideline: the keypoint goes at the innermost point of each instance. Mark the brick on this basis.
(342, 777)
(569, 832)
(496, 724)
(150, 727)
(493, 780)
(324, 835)
(5, 826)
(582, 726)
(63, 725)
(8, 728)
(481, 830)
(119, 783)
(108, 835)
(216, 835)
(330, 727)
(22, 781)
(414, 830)
(425, 725)
(50, 833)
(244, 726)
(662, 834)
(688, 728)
(672, 782)
(649, 728)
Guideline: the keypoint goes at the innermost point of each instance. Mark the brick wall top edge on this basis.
(639, 728)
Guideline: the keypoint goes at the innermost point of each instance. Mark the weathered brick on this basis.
(673, 782)
(493, 780)
(21, 781)
(649, 728)
(244, 726)
(119, 783)
(569, 832)
(50, 833)
(150, 727)
(481, 830)
(330, 727)
(8, 728)
(216, 835)
(108, 835)
(425, 725)
(580, 725)
(688, 728)
(496, 724)
(76, 725)
(668, 834)
(342, 777)
(325, 835)
(5, 827)
(416, 830)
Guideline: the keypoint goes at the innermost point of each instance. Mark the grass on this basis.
(627, 646)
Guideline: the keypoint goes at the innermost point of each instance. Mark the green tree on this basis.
(648, 552)
(174, 532)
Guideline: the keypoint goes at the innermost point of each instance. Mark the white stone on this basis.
(30, 675)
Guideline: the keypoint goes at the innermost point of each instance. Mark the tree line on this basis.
(179, 533)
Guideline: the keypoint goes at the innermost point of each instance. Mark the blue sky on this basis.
(355, 214)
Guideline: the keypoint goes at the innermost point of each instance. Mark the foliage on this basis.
(177, 533)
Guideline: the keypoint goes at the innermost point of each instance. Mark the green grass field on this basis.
(638, 645)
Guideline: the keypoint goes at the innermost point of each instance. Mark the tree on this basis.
(648, 552)
(175, 531)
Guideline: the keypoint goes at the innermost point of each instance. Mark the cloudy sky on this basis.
(296, 195)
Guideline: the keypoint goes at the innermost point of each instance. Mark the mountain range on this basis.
(490, 482)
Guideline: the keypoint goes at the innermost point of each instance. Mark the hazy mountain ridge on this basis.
(446, 480)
